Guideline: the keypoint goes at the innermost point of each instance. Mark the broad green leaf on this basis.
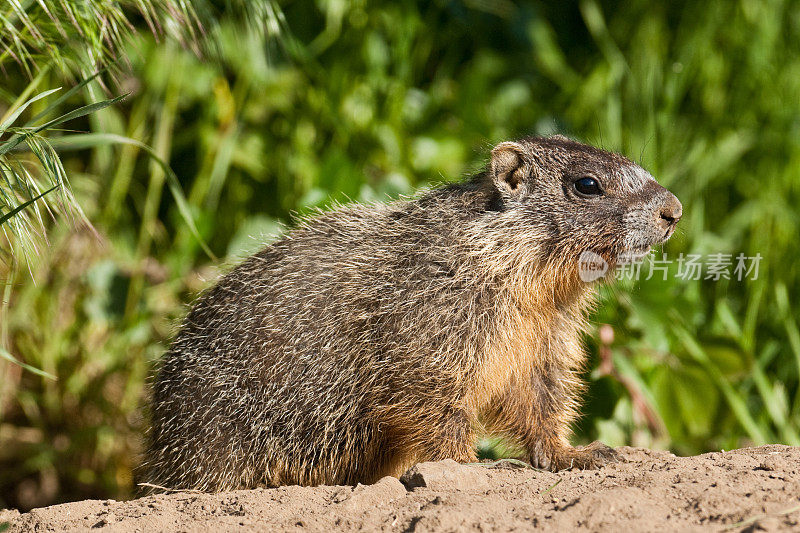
(736, 401)
(696, 399)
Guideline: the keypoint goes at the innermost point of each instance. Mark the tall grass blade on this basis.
(90, 140)
(76, 113)
(15, 113)
(7, 216)
(4, 354)
(55, 104)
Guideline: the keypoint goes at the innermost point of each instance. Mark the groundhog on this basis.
(372, 337)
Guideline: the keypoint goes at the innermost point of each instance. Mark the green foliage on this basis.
(80, 38)
(368, 103)
(75, 434)
(21, 188)
(86, 35)
(706, 107)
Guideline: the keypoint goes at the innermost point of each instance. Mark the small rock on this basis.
(445, 475)
(771, 463)
(8, 515)
(384, 490)
(768, 523)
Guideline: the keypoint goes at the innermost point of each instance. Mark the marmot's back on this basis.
(374, 336)
(281, 370)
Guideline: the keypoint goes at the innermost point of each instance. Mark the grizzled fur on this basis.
(375, 336)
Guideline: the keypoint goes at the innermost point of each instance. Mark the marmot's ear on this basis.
(509, 167)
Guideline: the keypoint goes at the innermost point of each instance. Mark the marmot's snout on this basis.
(669, 214)
(651, 219)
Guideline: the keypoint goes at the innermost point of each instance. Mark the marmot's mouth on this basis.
(634, 253)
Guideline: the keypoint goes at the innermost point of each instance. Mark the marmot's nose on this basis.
(671, 211)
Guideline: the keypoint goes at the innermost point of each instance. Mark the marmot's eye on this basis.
(588, 186)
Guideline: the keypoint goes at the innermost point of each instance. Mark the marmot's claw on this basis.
(587, 457)
(595, 455)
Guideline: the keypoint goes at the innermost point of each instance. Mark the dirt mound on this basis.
(747, 489)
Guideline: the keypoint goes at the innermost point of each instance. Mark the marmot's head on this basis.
(580, 199)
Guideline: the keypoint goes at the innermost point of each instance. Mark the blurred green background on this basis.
(294, 105)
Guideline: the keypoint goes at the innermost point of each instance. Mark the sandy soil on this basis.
(750, 489)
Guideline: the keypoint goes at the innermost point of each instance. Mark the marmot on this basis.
(375, 336)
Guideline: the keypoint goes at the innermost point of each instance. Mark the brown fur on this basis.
(372, 337)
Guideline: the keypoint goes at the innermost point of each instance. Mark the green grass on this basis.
(368, 104)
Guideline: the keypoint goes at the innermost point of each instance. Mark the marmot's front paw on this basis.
(591, 456)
